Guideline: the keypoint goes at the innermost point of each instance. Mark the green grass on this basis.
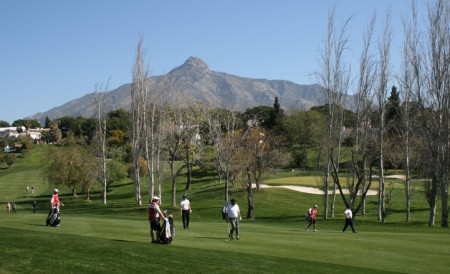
(114, 238)
(312, 181)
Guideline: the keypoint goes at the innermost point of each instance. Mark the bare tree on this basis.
(158, 149)
(434, 103)
(179, 127)
(148, 140)
(259, 151)
(191, 139)
(100, 101)
(139, 89)
(359, 168)
(249, 160)
(364, 99)
(155, 137)
(334, 77)
(251, 206)
(153, 116)
(174, 130)
(147, 137)
(226, 139)
(407, 84)
(384, 47)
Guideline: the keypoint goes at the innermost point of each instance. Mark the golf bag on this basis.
(307, 217)
(53, 218)
(167, 232)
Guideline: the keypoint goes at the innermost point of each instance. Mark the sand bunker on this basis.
(314, 190)
(310, 190)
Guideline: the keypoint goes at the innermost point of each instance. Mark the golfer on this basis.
(312, 211)
(348, 219)
(154, 215)
(34, 205)
(54, 204)
(54, 201)
(185, 211)
(234, 215)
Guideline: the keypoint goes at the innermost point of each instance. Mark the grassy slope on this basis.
(101, 239)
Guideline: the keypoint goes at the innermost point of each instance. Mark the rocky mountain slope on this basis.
(194, 80)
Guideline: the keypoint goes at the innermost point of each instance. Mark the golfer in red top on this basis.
(312, 217)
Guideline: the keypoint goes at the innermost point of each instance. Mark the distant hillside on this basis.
(194, 79)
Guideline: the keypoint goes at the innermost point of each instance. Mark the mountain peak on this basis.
(192, 62)
(196, 62)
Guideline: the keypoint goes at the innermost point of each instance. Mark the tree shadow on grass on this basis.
(38, 224)
(124, 241)
(286, 219)
(213, 238)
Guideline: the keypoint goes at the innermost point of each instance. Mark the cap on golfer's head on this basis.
(315, 206)
(55, 190)
(155, 198)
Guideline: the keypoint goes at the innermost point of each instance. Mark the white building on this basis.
(14, 132)
(11, 132)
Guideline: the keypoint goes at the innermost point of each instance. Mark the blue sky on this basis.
(53, 51)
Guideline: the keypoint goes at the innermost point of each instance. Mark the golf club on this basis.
(229, 232)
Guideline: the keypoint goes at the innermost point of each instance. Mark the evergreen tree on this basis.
(393, 113)
(277, 117)
(47, 122)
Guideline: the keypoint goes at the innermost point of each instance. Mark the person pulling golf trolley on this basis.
(164, 232)
(233, 218)
(54, 217)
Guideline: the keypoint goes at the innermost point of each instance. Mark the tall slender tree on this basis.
(383, 77)
(363, 103)
(100, 109)
(433, 95)
(410, 79)
(334, 77)
(139, 89)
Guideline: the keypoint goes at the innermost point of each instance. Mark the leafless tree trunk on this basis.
(158, 117)
(99, 100)
(139, 90)
(152, 131)
(159, 168)
(192, 117)
(434, 104)
(174, 130)
(384, 48)
(149, 142)
(147, 138)
(223, 129)
(359, 170)
(180, 126)
(410, 52)
(364, 100)
(334, 77)
(257, 153)
(251, 207)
